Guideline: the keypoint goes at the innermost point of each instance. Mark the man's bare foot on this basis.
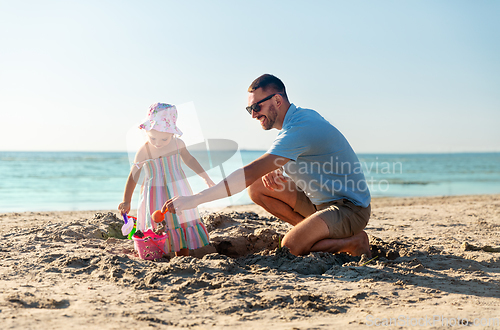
(355, 245)
(361, 245)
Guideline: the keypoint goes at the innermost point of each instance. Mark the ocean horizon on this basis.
(66, 180)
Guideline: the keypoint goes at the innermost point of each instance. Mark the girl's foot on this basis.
(182, 253)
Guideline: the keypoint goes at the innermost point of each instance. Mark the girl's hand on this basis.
(124, 207)
(274, 180)
(209, 182)
(179, 204)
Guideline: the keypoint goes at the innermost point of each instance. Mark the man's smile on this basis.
(261, 118)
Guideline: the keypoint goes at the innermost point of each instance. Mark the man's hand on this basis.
(179, 204)
(274, 180)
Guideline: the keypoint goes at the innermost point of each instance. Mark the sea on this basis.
(64, 181)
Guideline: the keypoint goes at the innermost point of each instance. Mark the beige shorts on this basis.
(343, 218)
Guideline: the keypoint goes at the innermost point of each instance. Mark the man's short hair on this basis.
(268, 82)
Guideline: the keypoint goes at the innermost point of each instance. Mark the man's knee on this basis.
(255, 190)
(300, 239)
(295, 247)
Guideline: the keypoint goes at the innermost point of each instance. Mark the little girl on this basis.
(164, 178)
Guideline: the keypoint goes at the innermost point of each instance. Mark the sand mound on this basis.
(239, 234)
(101, 226)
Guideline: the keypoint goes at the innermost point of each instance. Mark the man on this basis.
(325, 196)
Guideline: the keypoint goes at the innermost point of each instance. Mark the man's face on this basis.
(268, 112)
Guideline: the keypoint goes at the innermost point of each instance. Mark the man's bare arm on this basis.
(233, 184)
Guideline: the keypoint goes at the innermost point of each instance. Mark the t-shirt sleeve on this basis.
(290, 143)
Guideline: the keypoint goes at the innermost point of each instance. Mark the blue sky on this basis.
(393, 76)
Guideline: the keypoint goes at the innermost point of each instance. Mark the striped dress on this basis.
(165, 179)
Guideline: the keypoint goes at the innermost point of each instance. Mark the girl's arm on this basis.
(124, 206)
(193, 164)
(132, 180)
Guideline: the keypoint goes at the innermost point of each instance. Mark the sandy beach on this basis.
(437, 264)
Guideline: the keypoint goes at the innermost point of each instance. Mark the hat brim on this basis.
(151, 124)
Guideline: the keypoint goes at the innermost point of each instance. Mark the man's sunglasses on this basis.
(256, 107)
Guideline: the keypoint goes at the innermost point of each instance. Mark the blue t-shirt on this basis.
(322, 162)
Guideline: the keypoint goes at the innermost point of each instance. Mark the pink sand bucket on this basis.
(151, 246)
